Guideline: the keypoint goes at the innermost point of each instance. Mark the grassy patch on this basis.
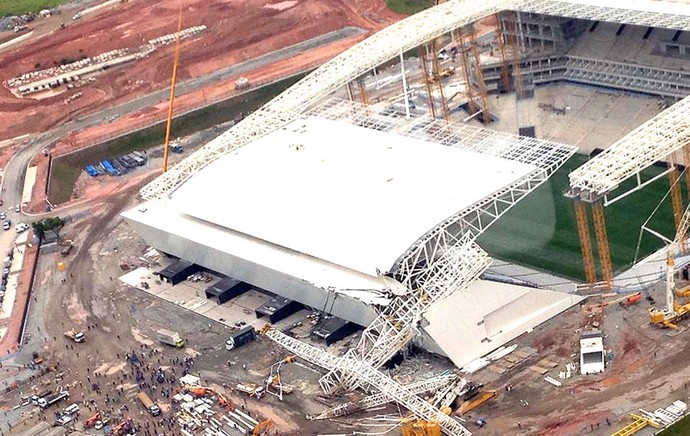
(680, 428)
(408, 7)
(66, 169)
(18, 7)
(541, 231)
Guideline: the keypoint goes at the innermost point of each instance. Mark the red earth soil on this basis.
(238, 30)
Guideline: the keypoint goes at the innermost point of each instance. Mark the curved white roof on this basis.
(349, 195)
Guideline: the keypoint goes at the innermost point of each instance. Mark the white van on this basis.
(71, 409)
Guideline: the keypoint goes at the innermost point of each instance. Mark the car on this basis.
(21, 227)
(6, 225)
(2, 215)
(18, 208)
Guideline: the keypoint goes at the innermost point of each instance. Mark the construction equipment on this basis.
(202, 391)
(365, 374)
(624, 301)
(473, 396)
(262, 427)
(637, 425)
(75, 335)
(668, 317)
(251, 389)
(274, 386)
(173, 82)
(93, 419)
(420, 427)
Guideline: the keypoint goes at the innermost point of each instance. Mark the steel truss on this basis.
(387, 44)
(446, 259)
(652, 141)
(349, 65)
(381, 382)
(640, 12)
(434, 384)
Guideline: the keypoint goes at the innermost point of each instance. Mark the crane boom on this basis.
(395, 326)
(366, 374)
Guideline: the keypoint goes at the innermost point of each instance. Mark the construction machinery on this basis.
(202, 391)
(75, 335)
(624, 301)
(673, 312)
(262, 428)
(472, 397)
(274, 386)
(93, 419)
(420, 427)
(251, 389)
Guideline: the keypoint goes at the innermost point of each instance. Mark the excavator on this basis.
(202, 391)
(669, 316)
(472, 397)
(273, 383)
(262, 428)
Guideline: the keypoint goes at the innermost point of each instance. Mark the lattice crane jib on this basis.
(501, 45)
(602, 243)
(370, 376)
(463, 51)
(396, 325)
(428, 79)
(585, 241)
(481, 85)
(676, 196)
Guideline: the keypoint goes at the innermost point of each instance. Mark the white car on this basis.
(2, 215)
(6, 225)
(17, 208)
(21, 227)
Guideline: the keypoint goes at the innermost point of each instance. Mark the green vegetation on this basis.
(54, 223)
(541, 231)
(408, 7)
(18, 7)
(66, 169)
(680, 428)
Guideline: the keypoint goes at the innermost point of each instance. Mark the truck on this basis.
(76, 336)
(171, 338)
(251, 389)
(152, 407)
(51, 399)
(34, 398)
(241, 337)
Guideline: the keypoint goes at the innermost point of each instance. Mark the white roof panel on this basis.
(352, 196)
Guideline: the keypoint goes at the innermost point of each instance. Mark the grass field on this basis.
(18, 7)
(66, 169)
(541, 231)
(408, 7)
(680, 428)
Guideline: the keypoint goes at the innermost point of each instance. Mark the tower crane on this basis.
(668, 316)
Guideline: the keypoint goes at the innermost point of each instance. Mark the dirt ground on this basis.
(237, 30)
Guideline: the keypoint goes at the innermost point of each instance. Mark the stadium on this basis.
(371, 202)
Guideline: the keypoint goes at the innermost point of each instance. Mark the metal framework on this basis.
(602, 243)
(652, 141)
(387, 44)
(434, 384)
(381, 382)
(640, 12)
(676, 195)
(585, 241)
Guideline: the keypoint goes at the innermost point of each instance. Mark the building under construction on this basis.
(371, 211)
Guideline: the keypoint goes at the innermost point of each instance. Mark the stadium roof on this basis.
(351, 196)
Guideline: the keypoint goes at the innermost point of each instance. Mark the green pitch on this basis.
(541, 232)
(17, 7)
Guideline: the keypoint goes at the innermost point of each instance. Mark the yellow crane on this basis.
(176, 61)
(668, 316)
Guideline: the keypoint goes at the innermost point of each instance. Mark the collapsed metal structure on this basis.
(447, 259)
